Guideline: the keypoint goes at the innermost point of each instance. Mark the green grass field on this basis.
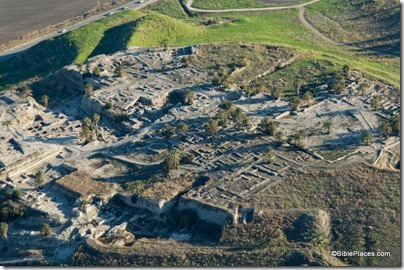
(149, 29)
(223, 4)
(227, 4)
(154, 28)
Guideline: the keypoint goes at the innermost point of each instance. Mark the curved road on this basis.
(301, 7)
(136, 5)
(313, 29)
(190, 2)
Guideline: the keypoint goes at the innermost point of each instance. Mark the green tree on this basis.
(45, 100)
(385, 129)
(396, 124)
(17, 194)
(109, 105)
(97, 71)
(339, 88)
(280, 137)
(212, 127)
(173, 160)
(168, 131)
(375, 102)
(26, 92)
(277, 93)
(182, 128)
(267, 126)
(308, 97)
(225, 81)
(7, 123)
(278, 238)
(187, 158)
(269, 154)
(186, 61)
(86, 129)
(227, 106)
(96, 119)
(216, 80)
(83, 205)
(238, 114)
(303, 133)
(3, 229)
(188, 97)
(363, 88)
(300, 138)
(367, 138)
(242, 122)
(295, 103)
(89, 88)
(40, 178)
(46, 229)
(223, 117)
(119, 71)
(328, 126)
(346, 71)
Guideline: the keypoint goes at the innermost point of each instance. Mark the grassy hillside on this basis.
(171, 8)
(364, 205)
(153, 29)
(73, 47)
(224, 4)
(148, 28)
(374, 25)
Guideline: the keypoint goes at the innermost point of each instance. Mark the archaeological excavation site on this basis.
(204, 155)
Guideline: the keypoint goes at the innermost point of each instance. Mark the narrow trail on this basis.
(309, 26)
(190, 2)
(313, 29)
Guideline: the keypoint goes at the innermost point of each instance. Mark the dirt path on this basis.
(313, 29)
(301, 7)
(190, 2)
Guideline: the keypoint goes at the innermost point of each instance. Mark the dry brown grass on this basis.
(82, 184)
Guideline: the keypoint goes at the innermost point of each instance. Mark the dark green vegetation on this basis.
(10, 208)
(240, 62)
(374, 25)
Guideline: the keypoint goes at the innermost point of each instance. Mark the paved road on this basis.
(190, 2)
(134, 5)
